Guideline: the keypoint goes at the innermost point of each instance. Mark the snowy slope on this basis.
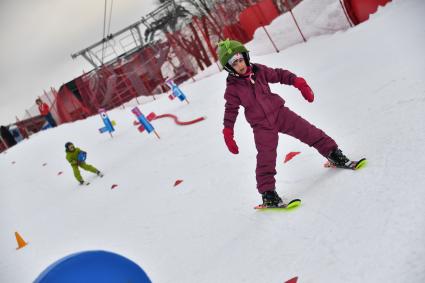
(363, 226)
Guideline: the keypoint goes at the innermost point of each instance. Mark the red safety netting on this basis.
(359, 11)
(70, 106)
(178, 55)
(260, 14)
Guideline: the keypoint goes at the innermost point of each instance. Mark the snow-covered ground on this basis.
(353, 226)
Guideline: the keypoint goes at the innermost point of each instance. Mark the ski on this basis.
(352, 165)
(291, 205)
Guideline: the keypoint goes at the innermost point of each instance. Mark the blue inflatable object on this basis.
(177, 92)
(148, 126)
(82, 155)
(142, 120)
(93, 267)
(109, 126)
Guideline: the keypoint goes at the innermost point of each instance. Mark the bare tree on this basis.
(205, 8)
(170, 22)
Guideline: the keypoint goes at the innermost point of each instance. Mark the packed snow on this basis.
(352, 226)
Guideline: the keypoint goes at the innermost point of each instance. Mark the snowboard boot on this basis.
(271, 199)
(338, 159)
(100, 174)
(84, 183)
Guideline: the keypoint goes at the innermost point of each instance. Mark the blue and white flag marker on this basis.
(176, 91)
(144, 122)
(109, 125)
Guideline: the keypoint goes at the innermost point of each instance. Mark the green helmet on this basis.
(227, 48)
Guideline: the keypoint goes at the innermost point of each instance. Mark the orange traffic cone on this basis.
(21, 242)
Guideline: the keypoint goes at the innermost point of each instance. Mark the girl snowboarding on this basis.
(247, 86)
(76, 157)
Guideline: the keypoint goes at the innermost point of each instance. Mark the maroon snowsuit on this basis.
(267, 115)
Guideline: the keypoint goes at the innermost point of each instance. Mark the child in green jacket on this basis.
(74, 155)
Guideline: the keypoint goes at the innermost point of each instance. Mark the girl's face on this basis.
(239, 66)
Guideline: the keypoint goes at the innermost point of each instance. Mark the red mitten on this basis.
(306, 91)
(230, 142)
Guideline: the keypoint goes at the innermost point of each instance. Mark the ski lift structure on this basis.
(132, 61)
(126, 41)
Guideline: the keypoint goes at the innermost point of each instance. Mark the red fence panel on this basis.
(178, 55)
(69, 105)
(359, 10)
(258, 15)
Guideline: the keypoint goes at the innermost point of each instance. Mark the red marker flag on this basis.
(293, 280)
(291, 155)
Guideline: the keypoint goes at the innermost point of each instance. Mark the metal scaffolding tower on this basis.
(123, 42)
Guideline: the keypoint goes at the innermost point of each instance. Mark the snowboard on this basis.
(352, 165)
(291, 205)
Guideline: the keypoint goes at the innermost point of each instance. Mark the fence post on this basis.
(293, 17)
(264, 28)
(48, 98)
(28, 113)
(4, 143)
(75, 110)
(55, 102)
(24, 128)
(51, 106)
(268, 35)
(206, 38)
(345, 13)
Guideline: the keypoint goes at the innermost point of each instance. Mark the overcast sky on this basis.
(37, 38)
